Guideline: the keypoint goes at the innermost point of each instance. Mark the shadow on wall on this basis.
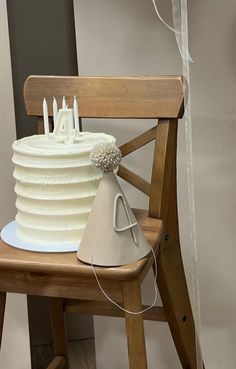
(49, 50)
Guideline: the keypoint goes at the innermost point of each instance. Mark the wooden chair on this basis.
(70, 284)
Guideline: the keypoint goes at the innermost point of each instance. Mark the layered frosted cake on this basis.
(55, 186)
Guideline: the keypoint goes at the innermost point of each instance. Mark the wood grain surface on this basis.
(109, 97)
(134, 325)
(66, 264)
(105, 308)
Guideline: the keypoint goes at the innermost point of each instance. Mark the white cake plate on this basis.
(9, 235)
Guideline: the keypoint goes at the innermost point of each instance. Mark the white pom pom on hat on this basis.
(105, 156)
(112, 236)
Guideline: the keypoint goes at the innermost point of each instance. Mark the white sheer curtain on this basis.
(15, 352)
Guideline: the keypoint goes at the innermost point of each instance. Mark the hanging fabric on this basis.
(180, 29)
(190, 180)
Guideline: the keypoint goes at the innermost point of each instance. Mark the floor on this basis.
(81, 355)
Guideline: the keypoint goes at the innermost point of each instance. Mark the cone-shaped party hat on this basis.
(112, 236)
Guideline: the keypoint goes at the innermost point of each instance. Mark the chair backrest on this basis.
(158, 98)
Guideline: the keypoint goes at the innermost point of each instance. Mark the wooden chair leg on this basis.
(174, 294)
(59, 329)
(134, 326)
(2, 313)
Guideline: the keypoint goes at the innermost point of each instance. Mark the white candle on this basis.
(76, 114)
(69, 126)
(63, 103)
(64, 127)
(55, 111)
(45, 118)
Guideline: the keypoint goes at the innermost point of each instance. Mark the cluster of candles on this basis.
(64, 119)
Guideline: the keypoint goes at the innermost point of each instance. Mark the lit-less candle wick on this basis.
(63, 103)
(45, 118)
(76, 115)
(55, 111)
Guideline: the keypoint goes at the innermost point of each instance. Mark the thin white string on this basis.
(177, 18)
(120, 307)
(162, 20)
(176, 15)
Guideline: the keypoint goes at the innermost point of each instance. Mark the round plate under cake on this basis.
(9, 234)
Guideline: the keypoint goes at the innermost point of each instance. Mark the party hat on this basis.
(112, 236)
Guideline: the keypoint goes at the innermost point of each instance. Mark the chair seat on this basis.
(67, 263)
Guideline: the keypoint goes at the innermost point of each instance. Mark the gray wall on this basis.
(42, 40)
(125, 37)
(15, 352)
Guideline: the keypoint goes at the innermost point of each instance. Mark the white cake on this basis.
(55, 186)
